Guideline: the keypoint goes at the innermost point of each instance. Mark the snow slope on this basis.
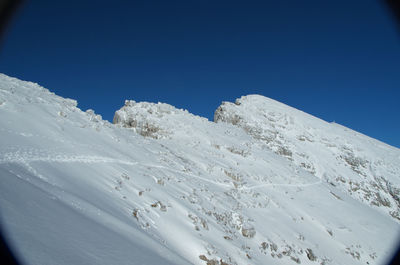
(163, 186)
(363, 167)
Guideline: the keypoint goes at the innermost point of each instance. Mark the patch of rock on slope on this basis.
(362, 167)
(163, 186)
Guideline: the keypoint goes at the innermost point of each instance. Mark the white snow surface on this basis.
(361, 166)
(264, 184)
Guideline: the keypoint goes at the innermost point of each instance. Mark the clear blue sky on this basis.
(338, 60)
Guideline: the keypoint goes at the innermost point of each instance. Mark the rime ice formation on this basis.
(264, 184)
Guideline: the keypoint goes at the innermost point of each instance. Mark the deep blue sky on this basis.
(338, 60)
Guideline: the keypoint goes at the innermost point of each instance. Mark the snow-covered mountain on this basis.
(363, 167)
(264, 184)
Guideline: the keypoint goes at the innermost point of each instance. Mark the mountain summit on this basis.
(363, 167)
(262, 184)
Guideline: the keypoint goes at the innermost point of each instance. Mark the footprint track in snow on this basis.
(27, 155)
(39, 155)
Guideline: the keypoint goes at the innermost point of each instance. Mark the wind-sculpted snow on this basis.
(163, 186)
